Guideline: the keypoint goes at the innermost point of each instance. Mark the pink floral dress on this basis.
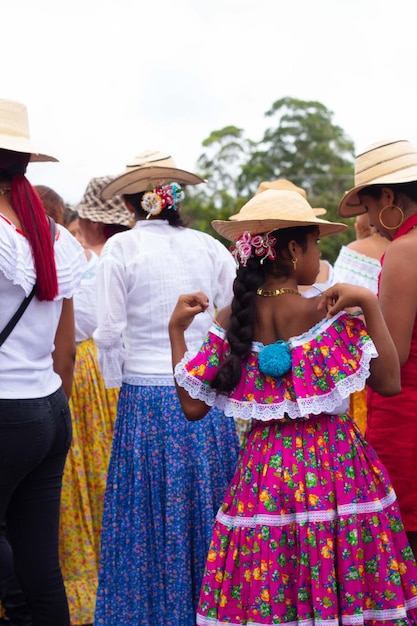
(309, 532)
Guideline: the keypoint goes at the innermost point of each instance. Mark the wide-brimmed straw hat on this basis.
(14, 131)
(94, 208)
(148, 169)
(274, 209)
(387, 162)
(286, 185)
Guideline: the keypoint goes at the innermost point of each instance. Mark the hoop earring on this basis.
(294, 262)
(391, 206)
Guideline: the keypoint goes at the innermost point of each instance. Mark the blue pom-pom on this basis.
(275, 359)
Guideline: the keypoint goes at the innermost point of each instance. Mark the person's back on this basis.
(386, 189)
(308, 488)
(160, 262)
(161, 469)
(40, 267)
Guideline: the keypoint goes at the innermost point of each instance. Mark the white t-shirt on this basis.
(26, 367)
(141, 273)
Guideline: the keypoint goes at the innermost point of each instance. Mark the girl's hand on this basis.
(188, 306)
(343, 296)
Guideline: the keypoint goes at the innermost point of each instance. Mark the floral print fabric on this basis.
(328, 363)
(93, 412)
(309, 533)
(167, 479)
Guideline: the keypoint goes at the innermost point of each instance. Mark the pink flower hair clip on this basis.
(261, 245)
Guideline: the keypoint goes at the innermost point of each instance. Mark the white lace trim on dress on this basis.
(301, 407)
(304, 517)
(347, 620)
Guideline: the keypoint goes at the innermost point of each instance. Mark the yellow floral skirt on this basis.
(93, 410)
(358, 409)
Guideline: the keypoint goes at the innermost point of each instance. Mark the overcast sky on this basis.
(106, 79)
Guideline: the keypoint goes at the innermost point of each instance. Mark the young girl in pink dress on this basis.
(309, 531)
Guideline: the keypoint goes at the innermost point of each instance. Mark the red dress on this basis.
(392, 427)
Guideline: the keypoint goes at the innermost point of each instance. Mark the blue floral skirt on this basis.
(167, 478)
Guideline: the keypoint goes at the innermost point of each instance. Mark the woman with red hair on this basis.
(40, 266)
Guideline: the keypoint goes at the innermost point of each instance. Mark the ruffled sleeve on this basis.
(15, 256)
(16, 261)
(71, 262)
(328, 363)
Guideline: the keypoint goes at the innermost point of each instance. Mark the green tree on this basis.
(302, 145)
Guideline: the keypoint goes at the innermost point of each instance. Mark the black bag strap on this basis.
(25, 303)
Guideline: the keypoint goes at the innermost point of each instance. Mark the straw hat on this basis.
(286, 185)
(386, 162)
(150, 168)
(94, 208)
(271, 210)
(14, 131)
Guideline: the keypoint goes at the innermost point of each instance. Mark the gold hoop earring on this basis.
(294, 262)
(391, 206)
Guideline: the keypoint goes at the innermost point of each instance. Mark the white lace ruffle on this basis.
(302, 407)
(308, 517)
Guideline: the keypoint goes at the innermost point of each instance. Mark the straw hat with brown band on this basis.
(148, 169)
(387, 162)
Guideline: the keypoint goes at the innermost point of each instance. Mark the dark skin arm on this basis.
(385, 375)
(397, 297)
(187, 307)
(64, 353)
(385, 369)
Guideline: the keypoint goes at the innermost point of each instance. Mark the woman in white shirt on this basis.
(36, 367)
(166, 476)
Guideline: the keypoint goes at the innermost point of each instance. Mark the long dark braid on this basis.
(240, 332)
(242, 320)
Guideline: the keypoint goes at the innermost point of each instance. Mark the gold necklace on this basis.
(277, 292)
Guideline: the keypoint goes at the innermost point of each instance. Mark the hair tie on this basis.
(260, 245)
(162, 197)
(275, 359)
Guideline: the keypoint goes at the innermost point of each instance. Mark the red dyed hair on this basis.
(31, 213)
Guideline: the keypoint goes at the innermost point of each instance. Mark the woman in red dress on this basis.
(386, 188)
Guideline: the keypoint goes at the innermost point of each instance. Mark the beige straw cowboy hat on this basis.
(95, 209)
(148, 169)
(387, 162)
(271, 210)
(14, 131)
(284, 184)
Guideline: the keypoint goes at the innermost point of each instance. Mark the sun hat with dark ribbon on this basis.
(274, 209)
(14, 131)
(94, 208)
(149, 169)
(387, 162)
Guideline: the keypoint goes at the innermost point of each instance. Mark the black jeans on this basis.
(35, 435)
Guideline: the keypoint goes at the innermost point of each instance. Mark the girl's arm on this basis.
(385, 375)
(64, 353)
(187, 307)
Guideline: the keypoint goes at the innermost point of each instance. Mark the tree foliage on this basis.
(301, 144)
